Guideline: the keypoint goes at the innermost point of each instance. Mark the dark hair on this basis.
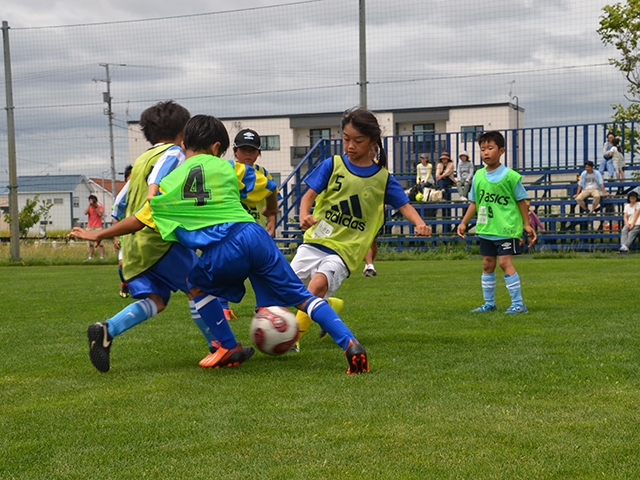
(492, 135)
(367, 124)
(589, 163)
(93, 197)
(202, 131)
(127, 171)
(632, 194)
(163, 121)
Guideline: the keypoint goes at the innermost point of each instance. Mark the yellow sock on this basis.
(304, 321)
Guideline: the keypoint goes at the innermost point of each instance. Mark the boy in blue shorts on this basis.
(499, 198)
(200, 208)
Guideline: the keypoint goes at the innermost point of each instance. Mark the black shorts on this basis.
(498, 248)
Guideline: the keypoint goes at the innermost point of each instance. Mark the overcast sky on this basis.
(279, 57)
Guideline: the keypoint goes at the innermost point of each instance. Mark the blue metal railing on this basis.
(564, 147)
(292, 188)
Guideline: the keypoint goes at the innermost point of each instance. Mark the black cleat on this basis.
(99, 346)
(357, 358)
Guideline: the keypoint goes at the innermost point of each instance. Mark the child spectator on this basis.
(498, 197)
(631, 222)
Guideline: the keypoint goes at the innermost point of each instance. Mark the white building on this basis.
(286, 139)
(68, 195)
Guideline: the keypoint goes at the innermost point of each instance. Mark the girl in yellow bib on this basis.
(350, 193)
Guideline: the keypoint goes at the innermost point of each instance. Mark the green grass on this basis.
(552, 394)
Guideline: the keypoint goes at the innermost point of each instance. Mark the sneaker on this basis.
(228, 314)
(99, 346)
(463, 198)
(89, 259)
(485, 308)
(517, 309)
(224, 357)
(124, 290)
(369, 272)
(357, 358)
(101, 258)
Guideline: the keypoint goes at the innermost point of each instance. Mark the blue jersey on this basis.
(120, 204)
(319, 179)
(167, 163)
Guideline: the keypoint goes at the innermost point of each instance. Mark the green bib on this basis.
(497, 209)
(141, 250)
(350, 212)
(201, 192)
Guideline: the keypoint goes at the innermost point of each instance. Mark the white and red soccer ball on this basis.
(274, 330)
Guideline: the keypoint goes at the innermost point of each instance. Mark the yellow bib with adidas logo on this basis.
(350, 212)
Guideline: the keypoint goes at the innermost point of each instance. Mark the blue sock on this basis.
(321, 312)
(206, 331)
(131, 316)
(212, 315)
(224, 303)
(489, 288)
(120, 274)
(513, 287)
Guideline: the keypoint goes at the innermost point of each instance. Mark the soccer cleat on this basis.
(99, 346)
(517, 309)
(224, 357)
(485, 308)
(357, 358)
(124, 290)
(369, 272)
(214, 345)
(228, 313)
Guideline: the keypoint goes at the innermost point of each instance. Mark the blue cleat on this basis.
(485, 308)
(517, 309)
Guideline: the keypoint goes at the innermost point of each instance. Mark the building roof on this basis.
(48, 183)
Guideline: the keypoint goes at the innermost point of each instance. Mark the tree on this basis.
(31, 214)
(620, 27)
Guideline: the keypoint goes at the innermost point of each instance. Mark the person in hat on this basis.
(466, 170)
(444, 174)
(590, 184)
(247, 148)
(631, 222)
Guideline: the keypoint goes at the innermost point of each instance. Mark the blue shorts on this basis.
(499, 248)
(168, 275)
(248, 252)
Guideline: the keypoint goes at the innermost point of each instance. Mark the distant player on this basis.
(499, 199)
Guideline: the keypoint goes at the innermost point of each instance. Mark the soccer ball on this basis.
(274, 330)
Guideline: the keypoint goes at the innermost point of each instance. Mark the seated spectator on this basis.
(424, 178)
(444, 174)
(590, 184)
(631, 222)
(465, 172)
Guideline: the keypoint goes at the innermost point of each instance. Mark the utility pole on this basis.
(106, 96)
(14, 228)
(363, 55)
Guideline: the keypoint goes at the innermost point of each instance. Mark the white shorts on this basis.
(310, 260)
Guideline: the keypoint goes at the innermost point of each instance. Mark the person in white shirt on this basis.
(590, 185)
(631, 222)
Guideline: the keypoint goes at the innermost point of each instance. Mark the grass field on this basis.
(551, 394)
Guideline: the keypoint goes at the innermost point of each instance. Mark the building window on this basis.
(270, 142)
(76, 202)
(319, 134)
(424, 128)
(469, 132)
(58, 201)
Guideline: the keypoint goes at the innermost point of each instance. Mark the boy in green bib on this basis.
(499, 199)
